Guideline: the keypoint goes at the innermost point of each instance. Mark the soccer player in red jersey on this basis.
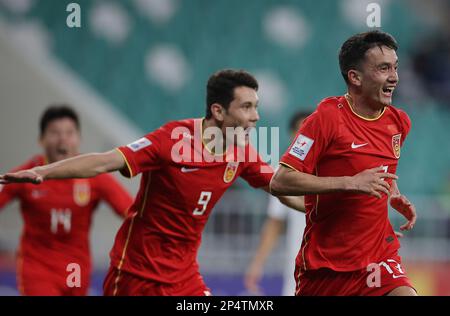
(344, 160)
(57, 214)
(186, 167)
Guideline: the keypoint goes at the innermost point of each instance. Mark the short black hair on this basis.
(354, 49)
(220, 87)
(55, 112)
(297, 116)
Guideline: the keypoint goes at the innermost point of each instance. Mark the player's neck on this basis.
(211, 144)
(361, 106)
(48, 159)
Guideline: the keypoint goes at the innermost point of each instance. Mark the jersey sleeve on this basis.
(144, 154)
(8, 192)
(257, 174)
(310, 142)
(112, 192)
(406, 125)
(11, 191)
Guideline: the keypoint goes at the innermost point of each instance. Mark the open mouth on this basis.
(61, 151)
(388, 91)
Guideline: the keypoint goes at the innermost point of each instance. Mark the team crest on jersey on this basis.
(81, 192)
(230, 171)
(396, 145)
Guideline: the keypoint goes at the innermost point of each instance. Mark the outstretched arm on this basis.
(402, 205)
(83, 166)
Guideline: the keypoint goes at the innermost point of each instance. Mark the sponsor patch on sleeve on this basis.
(301, 147)
(139, 144)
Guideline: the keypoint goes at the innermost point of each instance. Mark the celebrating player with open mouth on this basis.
(344, 159)
(58, 214)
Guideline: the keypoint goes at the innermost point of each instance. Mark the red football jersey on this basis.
(346, 231)
(57, 217)
(175, 198)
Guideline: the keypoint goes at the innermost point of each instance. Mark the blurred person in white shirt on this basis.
(278, 217)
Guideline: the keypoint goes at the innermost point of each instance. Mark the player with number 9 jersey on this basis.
(186, 167)
(160, 242)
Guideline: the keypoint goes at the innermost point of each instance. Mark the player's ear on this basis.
(217, 111)
(354, 77)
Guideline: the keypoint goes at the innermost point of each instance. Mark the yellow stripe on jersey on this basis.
(116, 281)
(126, 162)
(350, 103)
(204, 144)
(288, 165)
(307, 232)
(141, 211)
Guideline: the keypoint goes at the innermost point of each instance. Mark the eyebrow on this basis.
(249, 103)
(387, 63)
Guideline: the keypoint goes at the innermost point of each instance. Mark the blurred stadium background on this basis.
(134, 65)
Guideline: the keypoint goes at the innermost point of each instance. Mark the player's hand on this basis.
(398, 234)
(402, 205)
(371, 182)
(252, 278)
(29, 176)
